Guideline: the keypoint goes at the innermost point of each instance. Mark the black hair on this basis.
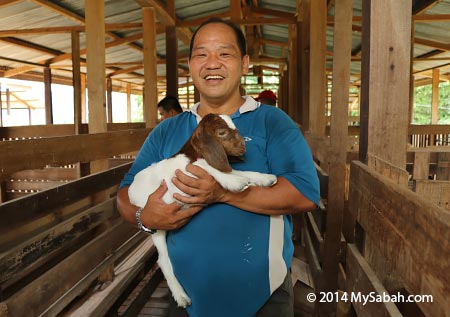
(237, 31)
(170, 102)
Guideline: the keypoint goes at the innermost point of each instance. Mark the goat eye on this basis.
(222, 133)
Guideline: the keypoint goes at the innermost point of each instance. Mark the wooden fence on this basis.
(65, 250)
(396, 238)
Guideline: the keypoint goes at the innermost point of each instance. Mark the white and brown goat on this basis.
(213, 143)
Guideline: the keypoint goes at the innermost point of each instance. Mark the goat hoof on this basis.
(183, 301)
(244, 188)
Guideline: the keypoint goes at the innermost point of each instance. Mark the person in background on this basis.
(267, 97)
(169, 107)
(230, 251)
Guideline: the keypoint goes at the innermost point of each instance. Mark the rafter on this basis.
(166, 18)
(80, 19)
(60, 10)
(421, 6)
(62, 57)
(68, 29)
(22, 101)
(4, 3)
(31, 46)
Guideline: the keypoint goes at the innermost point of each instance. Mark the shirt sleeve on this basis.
(290, 156)
(147, 155)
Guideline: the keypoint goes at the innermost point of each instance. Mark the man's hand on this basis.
(202, 188)
(158, 215)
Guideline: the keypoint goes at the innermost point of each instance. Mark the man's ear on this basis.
(211, 150)
(245, 64)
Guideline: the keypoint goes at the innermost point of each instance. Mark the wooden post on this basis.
(76, 81)
(95, 60)
(48, 95)
(303, 40)
(435, 97)
(83, 99)
(328, 280)
(235, 11)
(150, 72)
(171, 61)
(292, 99)
(434, 102)
(1, 107)
(196, 95)
(318, 80)
(83, 169)
(109, 99)
(128, 102)
(388, 70)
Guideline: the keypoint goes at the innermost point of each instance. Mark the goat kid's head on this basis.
(216, 139)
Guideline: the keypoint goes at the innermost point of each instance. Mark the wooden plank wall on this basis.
(38, 153)
(407, 238)
(65, 239)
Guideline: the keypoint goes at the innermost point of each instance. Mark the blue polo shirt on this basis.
(229, 260)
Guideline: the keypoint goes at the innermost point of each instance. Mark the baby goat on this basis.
(213, 142)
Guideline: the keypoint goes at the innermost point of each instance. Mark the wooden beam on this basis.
(48, 95)
(76, 79)
(361, 279)
(171, 61)
(60, 10)
(30, 46)
(303, 38)
(109, 100)
(293, 75)
(95, 58)
(37, 153)
(68, 29)
(317, 78)
(435, 97)
(4, 3)
(342, 43)
(59, 58)
(150, 70)
(386, 62)
(256, 11)
(126, 70)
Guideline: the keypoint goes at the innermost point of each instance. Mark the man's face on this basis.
(216, 64)
(165, 114)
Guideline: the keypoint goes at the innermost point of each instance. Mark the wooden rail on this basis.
(406, 238)
(37, 153)
(52, 130)
(58, 243)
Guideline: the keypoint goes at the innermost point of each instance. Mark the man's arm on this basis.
(282, 198)
(156, 214)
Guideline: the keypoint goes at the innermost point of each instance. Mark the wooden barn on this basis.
(345, 70)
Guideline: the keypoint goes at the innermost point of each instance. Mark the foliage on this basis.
(422, 104)
(137, 112)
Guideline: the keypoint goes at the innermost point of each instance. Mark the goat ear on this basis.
(211, 150)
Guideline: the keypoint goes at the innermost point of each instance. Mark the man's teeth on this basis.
(213, 77)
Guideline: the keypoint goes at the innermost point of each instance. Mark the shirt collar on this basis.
(250, 104)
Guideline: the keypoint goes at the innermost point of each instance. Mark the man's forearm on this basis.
(126, 209)
(282, 198)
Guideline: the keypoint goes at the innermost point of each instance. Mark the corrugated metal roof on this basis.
(39, 47)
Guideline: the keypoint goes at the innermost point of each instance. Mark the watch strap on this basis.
(140, 224)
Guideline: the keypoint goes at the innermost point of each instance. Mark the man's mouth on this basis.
(213, 77)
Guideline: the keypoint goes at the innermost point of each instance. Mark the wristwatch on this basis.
(140, 224)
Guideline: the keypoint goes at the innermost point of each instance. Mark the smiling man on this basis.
(233, 258)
